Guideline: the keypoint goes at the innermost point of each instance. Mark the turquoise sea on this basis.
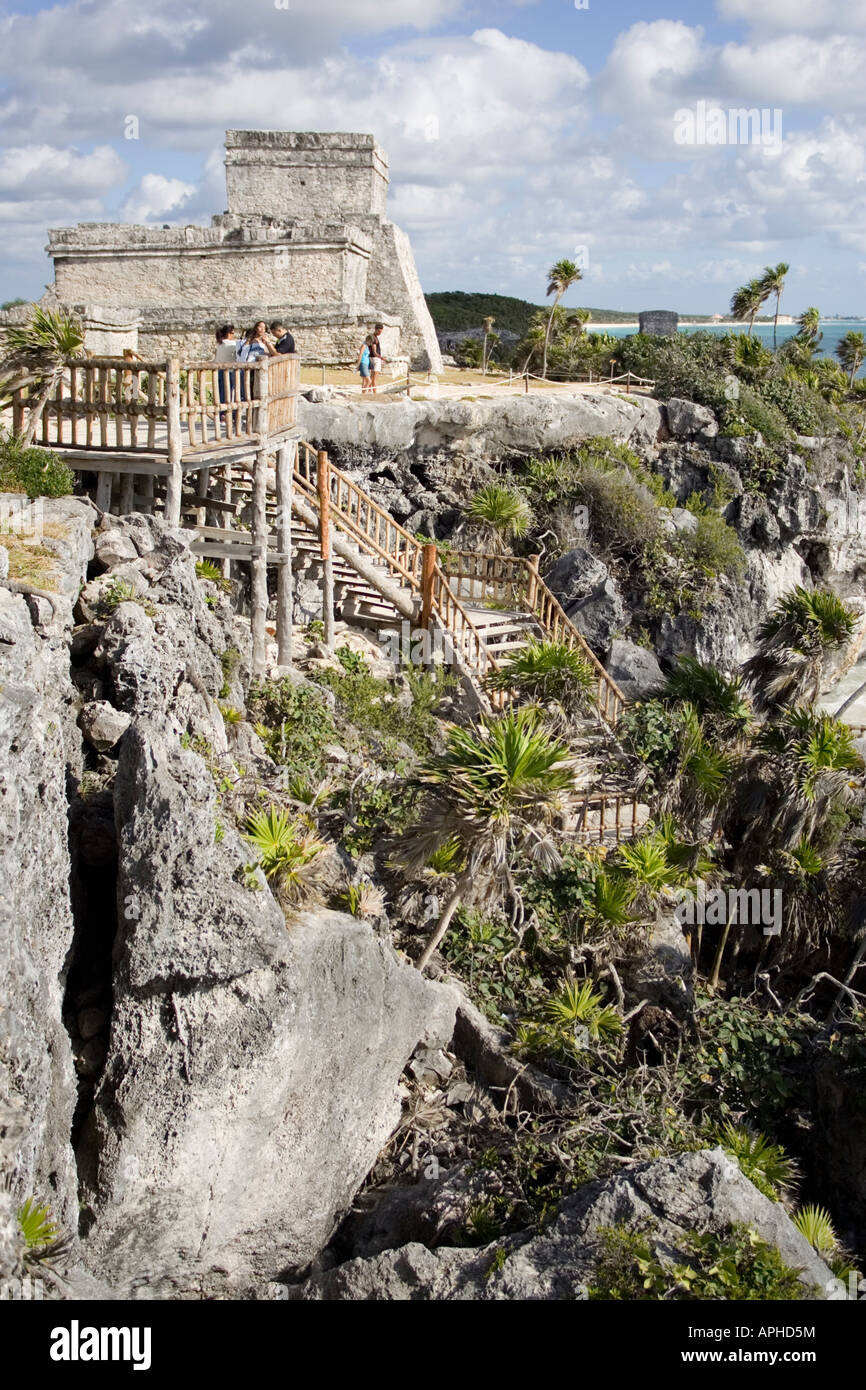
(833, 330)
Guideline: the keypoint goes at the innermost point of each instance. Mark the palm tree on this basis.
(503, 513)
(34, 356)
(809, 324)
(851, 350)
(561, 276)
(773, 282)
(793, 645)
(747, 300)
(494, 791)
(488, 326)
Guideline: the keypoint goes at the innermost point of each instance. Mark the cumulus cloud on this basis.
(43, 171)
(156, 197)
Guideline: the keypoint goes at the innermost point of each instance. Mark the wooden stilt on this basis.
(127, 494)
(227, 497)
(428, 570)
(103, 491)
(174, 482)
(259, 606)
(285, 470)
(324, 489)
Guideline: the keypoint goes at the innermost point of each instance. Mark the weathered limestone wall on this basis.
(393, 279)
(321, 265)
(280, 173)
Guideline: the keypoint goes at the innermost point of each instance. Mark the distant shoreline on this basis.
(702, 323)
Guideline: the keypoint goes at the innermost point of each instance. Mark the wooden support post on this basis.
(127, 494)
(285, 471)
(533, 578)
(174, 482)
(408, 383)
(103, 491)
(323, 484)
(428, 569)
(259, 604)
(147, 493)
(227, 497)
(323, 373)
(526, 383)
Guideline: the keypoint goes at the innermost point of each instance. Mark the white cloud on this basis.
(43, 171)
(803, 16)
(156, 197)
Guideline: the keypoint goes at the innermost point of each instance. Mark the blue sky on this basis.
(517, 132)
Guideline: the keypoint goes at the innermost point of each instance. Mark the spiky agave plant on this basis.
(793, 645)
(503, 512)
(548, 672)
(33, 356)
(288, 852)
(495, 790)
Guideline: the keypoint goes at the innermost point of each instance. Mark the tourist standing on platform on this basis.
(226, 351)
(285, 341)
(377, 358)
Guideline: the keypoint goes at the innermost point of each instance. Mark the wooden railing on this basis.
(517, 583)
(618, 817)
(376, 533)
(128, 405)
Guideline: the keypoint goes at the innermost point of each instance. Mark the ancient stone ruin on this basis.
(305, 238)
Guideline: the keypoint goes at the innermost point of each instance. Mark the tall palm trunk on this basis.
(443, 924)
(37, 409)
(547, 336)
(720, 951)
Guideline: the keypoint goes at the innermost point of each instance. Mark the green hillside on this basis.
(452, 310)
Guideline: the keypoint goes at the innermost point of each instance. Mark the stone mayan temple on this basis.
(305, 238)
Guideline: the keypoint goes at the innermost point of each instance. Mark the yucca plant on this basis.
(363, 899)
(34, 355)
(231, 715)
(718, 699)
(495, 790)
(206, 569)
(288, 852)
(36, 1225)
(816, 1224)
(446, 859)
(793, 645)
(502, 511)
(610, 904)
(580, 1004)
(548, 672)
(764, 1163)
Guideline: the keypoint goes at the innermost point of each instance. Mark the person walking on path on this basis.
(226, 351)
(364, 361)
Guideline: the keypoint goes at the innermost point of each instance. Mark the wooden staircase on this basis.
(484, 607)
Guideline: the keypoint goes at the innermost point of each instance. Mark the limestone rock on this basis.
(668, 1199)
(4, 562)
(587, 591)
(686, 419)
(635, 669)
(102, 724)
(114, 548)
(240, 1043)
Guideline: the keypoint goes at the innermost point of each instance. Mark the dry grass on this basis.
(29, 563)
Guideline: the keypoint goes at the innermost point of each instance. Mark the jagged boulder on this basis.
(588, 593)
(686, 419)
(253, 1063)
(668, 1200)
(635, 669)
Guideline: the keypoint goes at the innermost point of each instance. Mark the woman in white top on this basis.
(226, 352)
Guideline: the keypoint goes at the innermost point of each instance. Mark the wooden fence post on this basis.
(323, 484)
(285, 470)
(428, 570)
(174, 482)
(526, 383)
(259, 605)
(534, 576)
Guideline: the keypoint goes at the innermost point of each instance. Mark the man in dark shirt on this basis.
(285, 342)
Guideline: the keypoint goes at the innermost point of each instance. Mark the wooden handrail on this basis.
(513, 577)
(375, 531)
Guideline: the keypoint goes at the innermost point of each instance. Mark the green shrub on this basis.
(736, 1266)
(715, 547)
(38, 472)
(294, 722)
